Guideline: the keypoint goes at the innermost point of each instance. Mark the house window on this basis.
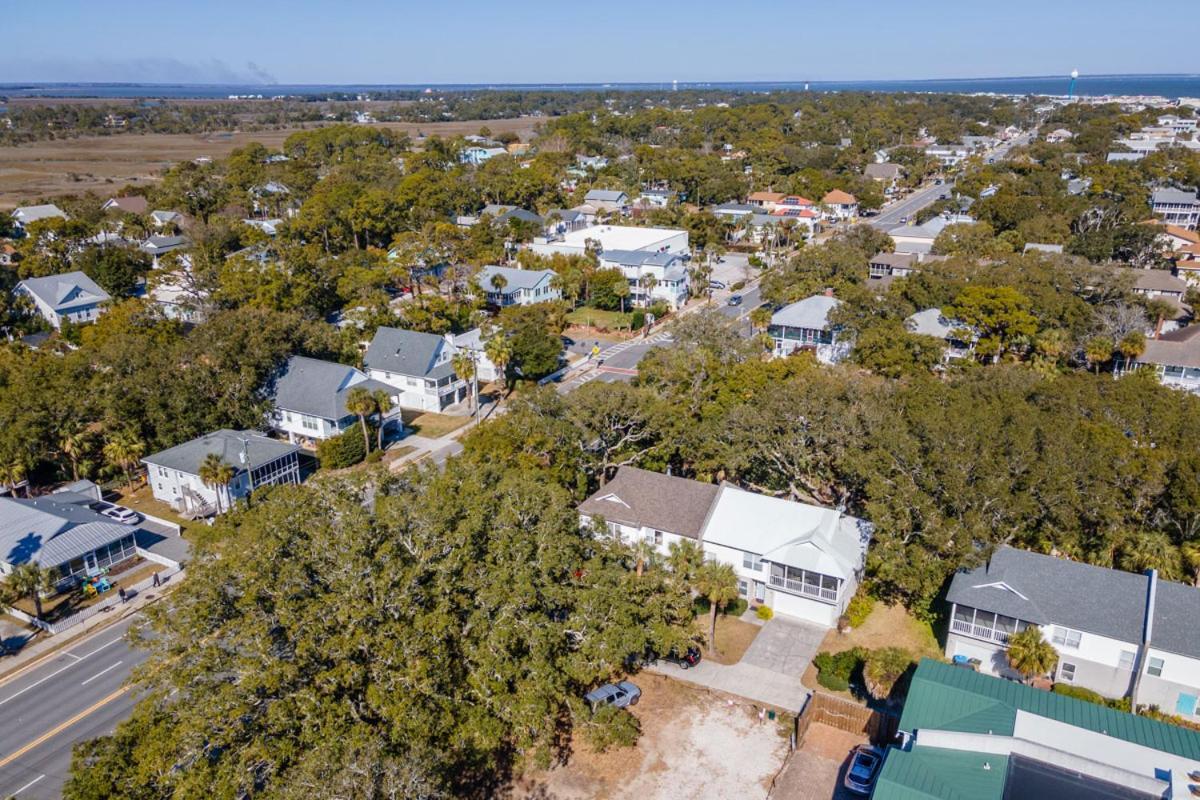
(752, 562)
(1065, 637)
(658, 537)
(743, 587)
(1186, 704)
(1067, 672)
(1155, 668)
(1127, 658)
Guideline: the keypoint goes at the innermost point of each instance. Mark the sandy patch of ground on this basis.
(815, 771)
(693, 744)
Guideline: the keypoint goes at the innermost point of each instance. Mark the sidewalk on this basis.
(143, 594)
(744, 680)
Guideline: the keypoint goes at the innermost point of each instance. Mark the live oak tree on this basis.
(435, 631)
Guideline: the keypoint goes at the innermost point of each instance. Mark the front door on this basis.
(760, 591)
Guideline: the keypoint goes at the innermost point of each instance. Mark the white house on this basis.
(933, 323)
(1175, 356)
(70, 297)
(948, 155)
(1176, 207)
(28, 214)
(805, 325)
(1116, 633)
(472, 343)
(802, 561)
(162, 219)
(174, 473)
(68, 537)
(898, 265)
(309, 398)
(607, 200)
(1179, 124)
(158, 246)
(477, 155)
(652, 276)
(171, 293)
(920, 238)
(840, 205)
(613, 237)
(418, 366)
(268, 226)
(511, 286)
(886, 173)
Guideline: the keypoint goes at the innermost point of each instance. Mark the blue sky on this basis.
(464, 41)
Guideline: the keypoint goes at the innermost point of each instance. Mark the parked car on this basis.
(687, 659)
(903, 220)
(735, 300)
(716, 285)
(122, 514)
(621, 695)
(865, 762)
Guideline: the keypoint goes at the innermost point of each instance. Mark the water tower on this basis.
(1071, 88)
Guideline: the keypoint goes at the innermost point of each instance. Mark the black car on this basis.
(687, 659)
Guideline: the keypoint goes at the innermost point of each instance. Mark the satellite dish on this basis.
(1074, 73)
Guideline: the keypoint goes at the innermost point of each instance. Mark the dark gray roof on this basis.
(514, 278)
(404, 352)
(227, 444)
(66, 291)
(736, 208)
(1106, 602)
(639, 498)
(1173, 196)
(603, 196)
(51, 532)
(164, 244)
(501, 213)
(639, 258)
(319, 388)
(904, 260)
(1179, 348)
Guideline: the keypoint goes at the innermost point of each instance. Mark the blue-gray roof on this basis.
(811, 312)
(157, 245)
(66, 291)
(406, 353)
(229, 445)
(604, 196)
(514, 278)
(50, 532)
(640, 258)
(319, 388)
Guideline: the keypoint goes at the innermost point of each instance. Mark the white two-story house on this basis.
(1175, 356)
(1176, 207)
(801, 560)
(70, 297)
(1116, 633)
(652, 276)
(805, 325)
(310, 395)
(417, 366)
(510, 286)
(174, 473)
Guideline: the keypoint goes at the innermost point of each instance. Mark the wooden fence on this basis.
(879, 726)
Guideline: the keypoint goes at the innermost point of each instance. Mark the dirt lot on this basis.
(693, 744)
(104, 164)
(815, 771)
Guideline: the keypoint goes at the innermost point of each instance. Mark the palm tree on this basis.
(383, 404)
(1030, 654)
(760, 318)
(32, 581)
(11, 475)
(216, 475)
(648, 282)
(717, 582)
(125, 450)
(498, 283)
(72, 446)
(360, 402)
(499, 351)
(643, 551)
(684, 558)
(464, 367)
(1132, 345)
(1096, 351)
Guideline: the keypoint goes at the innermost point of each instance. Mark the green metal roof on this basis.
(950, 698)
(932, 773)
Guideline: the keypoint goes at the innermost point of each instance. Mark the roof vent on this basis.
(987, 767)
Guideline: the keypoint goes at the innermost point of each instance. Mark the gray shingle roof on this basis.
(227, 444)
(502, 213)
(319, 388)
(883, 172)
(639, 498)
(28, 214)
(639, 258)
(931, 322)
(1106, 602)
(164, 244)
(603, 196)
(50, 532)
(1173, 196)
(903, 260)
(66, 291)
(811, 312)
(514, 278)
(1179, 348)
(736, 208)
(404, 352)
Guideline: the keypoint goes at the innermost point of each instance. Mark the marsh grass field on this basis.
(105, 164)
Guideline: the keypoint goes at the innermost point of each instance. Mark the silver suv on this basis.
(620, 694)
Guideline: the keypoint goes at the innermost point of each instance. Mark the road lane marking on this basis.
(26, 786)
(72, 655)
(101, 672)
(38, 683)
(50, 734)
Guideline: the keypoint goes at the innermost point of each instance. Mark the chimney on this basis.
(1143, 656)
(829, 291)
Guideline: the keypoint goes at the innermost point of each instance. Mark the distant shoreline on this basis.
(1165, 86)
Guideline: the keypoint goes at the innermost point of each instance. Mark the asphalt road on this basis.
(78, 695)
(908, 207)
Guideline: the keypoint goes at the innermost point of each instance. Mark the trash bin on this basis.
(771, 715)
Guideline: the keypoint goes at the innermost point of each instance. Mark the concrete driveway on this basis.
(785, 646)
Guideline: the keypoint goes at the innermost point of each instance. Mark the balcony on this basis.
(980, 631)
(806, 589)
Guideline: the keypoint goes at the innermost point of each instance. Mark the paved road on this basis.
(908, 207)
(77, 696)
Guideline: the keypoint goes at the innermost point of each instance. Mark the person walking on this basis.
(156, 580)
(121, 594)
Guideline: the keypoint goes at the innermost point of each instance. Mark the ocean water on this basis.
(1171, 86)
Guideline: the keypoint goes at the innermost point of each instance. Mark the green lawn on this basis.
(598, 318)
(431, 425)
